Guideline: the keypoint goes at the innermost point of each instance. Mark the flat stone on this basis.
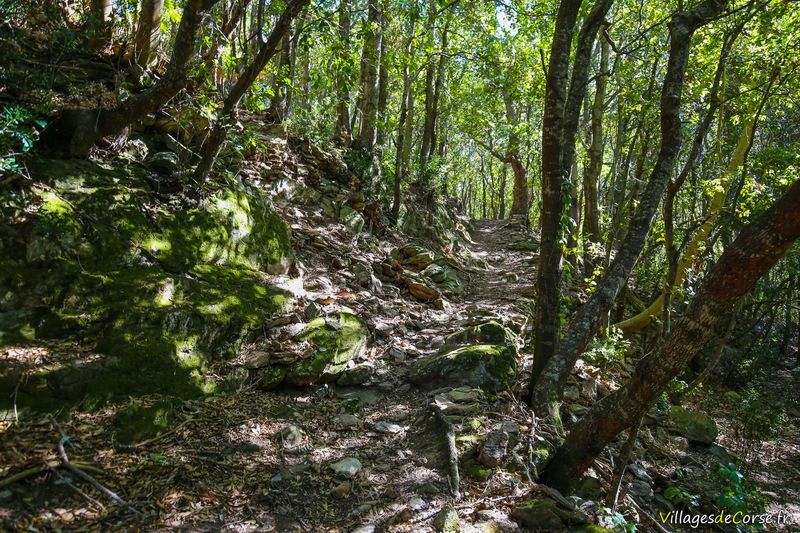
(346, 420)
(347, 467)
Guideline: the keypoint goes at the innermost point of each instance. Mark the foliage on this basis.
(608, 349)
(616, 521)
(738, 495)
(682, 498)
(19, 130)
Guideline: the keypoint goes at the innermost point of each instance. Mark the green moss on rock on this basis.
(485, 366)
(334, 344)
(137, 422)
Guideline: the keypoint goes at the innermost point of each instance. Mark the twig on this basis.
(78, 490)
(22, 475)
(65, 462)
(452, 451)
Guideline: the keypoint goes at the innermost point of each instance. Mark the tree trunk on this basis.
(148, 31)
(559, 128)
(280, 104)
(342, 90)
(502, 194)
(590, 315)
(99, 24)
(757, 248)
(403, 124)
(370, 59)
(429, 125)
(591, 217)
(215, 140)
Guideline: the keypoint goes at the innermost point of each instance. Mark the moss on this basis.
(272, 377)
(333, 347)
(486, 366)
(475, 470)
(490, 332)
(159, 288)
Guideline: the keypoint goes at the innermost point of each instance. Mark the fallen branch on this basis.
(452, 451)
(13, 478)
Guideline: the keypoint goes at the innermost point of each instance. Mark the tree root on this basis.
(452, 451)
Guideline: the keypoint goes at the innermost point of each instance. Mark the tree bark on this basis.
(591, 217)
(215, 140)
(555, 370)
(99, 25)
(342, 89)
(559, 128)
(370, 62)
(429, 125)
(148, 31)
(403, 124)
(757, 248)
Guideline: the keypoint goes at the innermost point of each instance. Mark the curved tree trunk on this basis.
(757, 248)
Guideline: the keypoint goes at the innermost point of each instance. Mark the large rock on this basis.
(489, 365)
(695, 426)
(351, 218)
(335, 342)
(159, 288)
(413, 256)
(540, 514)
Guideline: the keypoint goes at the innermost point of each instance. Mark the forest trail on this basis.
(254, 460)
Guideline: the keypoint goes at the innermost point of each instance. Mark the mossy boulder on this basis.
(541, 514)
(491, 332)
(413, 256)
(351, 218)
(489, 367)
(159, 288)
(334, 343)
(695, 426)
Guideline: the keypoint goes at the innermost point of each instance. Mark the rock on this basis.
(165, 162)
(494, 448)
(417, 504)
(291, 436)
(492, 521)
(383, 329)
(721, 454)
(420, 291)
(526, 245)
(312, 311)
(364, 277)
(511, 277)
(347, 467)
(358, 375)
(485, 366)
(398, 354)
(346, 420)
(639, 472)
(271, 377)
(369, 528)
(491, 332)
(572, 394)
(342, 489)
(413, 256)
(540, 514)
(351, 219)
(695, 426)
(387, 427)
(335, 342)
(446, 521)
(641, 489)
(435, 273)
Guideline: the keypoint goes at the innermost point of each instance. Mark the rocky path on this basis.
(366, 454)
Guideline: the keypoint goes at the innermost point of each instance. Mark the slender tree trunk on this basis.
(502, 207)
(216, 139)
(370, 63)
(280, 104)
(404, 124)
(590, 315)
(559, 127)
(757, 248)
(148, 31)
(342, 90)
(591, 217)
(99, 25)
(223, 37)
(429, 124)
